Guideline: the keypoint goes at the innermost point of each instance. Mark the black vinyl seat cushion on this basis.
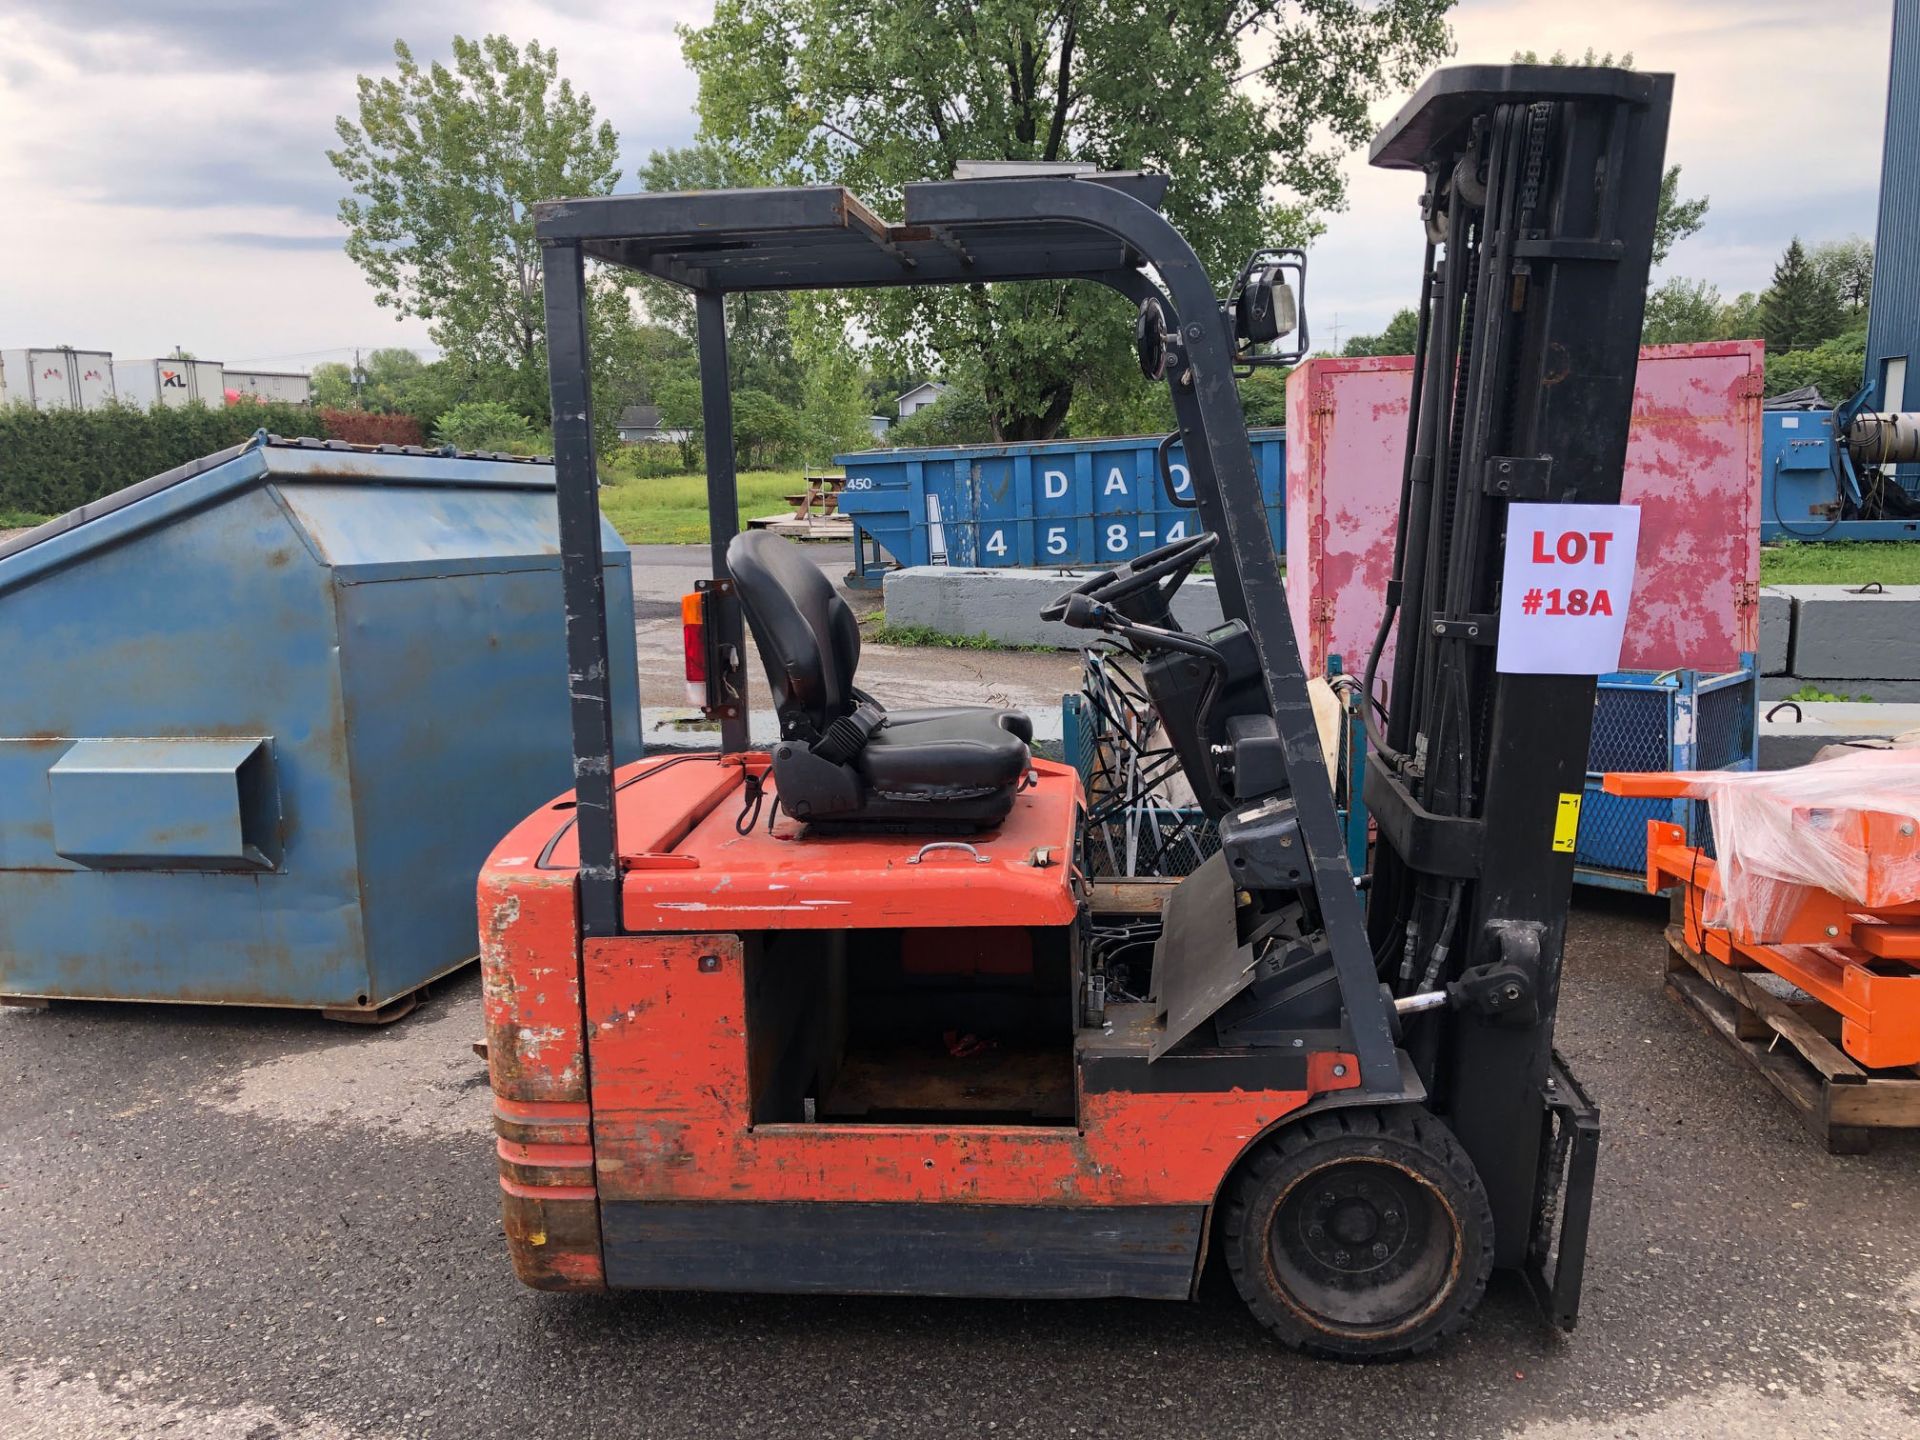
(950, 754)
(1014, 722)
(944, 765)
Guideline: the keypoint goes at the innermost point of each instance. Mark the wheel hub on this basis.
(1355, 1220)
(1361, 1243)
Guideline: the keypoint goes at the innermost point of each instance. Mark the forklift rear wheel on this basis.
(1360, 1234)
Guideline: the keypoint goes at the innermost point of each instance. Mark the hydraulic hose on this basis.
(1376, 736)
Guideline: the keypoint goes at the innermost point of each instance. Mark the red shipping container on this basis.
(1693, 467)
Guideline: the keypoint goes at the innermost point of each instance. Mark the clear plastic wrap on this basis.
(1845, 823)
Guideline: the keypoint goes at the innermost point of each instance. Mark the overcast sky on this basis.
(165, 175)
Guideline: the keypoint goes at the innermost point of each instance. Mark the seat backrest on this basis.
(807, 636)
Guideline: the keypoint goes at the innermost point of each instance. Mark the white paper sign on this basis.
(1566, 587)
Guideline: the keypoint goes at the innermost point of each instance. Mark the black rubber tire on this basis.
(1447, 1269)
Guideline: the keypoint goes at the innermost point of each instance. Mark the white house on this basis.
(920, 396)
(640, 425)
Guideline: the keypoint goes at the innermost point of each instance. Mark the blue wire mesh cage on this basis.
(1647, 721)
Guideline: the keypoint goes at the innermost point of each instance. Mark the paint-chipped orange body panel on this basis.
(536, 1057)
(687, 866)
(620, 1068)
(671, 1118)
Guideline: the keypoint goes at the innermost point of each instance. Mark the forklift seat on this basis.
(843, 757)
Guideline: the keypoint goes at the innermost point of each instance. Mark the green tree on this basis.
(1848, 266)
(760, 348)
(959, 417)
(765, 432)
(331, 384)
(1397, 339)
(1802, 307)
(388, 376)
(444, 164)
(1678, 216)
(1682, 311)
(486, 425)
(1248, 104)
(1263, 396)
(1740, 317)
(1836, 367)
(678, 399)
(1127, 404)
(833, 382)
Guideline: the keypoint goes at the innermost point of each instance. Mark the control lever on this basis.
(1500, 993)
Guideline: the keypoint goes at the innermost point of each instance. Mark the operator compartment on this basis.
(887, 977)
(910, 1026)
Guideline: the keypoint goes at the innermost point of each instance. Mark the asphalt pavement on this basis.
(267, 1227)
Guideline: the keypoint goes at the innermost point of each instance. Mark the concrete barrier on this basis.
(1776, 632)
(1793, 732)
(1897, 692)
(1838, 631)
(1005, 605)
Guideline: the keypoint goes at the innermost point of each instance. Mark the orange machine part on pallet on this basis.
(1817, 880)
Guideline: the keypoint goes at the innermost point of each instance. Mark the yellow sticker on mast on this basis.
(1566, 822)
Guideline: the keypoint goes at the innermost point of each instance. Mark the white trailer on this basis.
(282, 386)
(171, 382)
(57, 378)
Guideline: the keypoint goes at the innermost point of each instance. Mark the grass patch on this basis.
(1845, 562)
(1813, 694)
(21, 519)
(672, 509)
(924, 637)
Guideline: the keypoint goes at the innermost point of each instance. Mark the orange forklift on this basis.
(842, 1014)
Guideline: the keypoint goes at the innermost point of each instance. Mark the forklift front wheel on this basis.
(1360, 1234)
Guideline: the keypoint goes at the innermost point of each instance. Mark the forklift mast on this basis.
(1542, 184)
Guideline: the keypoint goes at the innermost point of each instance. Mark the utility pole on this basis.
(359, 379)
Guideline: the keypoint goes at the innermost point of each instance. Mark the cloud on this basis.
(178, 150)
(256, 240)
(292, 35)
(1779, 152)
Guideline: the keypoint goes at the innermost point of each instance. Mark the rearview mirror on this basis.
(1265, 307)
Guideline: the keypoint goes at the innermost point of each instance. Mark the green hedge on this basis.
(53, 460)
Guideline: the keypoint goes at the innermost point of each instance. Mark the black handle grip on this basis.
(1163, 462)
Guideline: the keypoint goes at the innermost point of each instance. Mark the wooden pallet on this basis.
(815, 527)
(1796, 1047)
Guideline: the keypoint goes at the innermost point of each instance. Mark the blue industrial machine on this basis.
(266, 714)
(1853, 472)
(1838, 474)
(1055, 503)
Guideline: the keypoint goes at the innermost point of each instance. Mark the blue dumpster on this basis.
(266, 715)
(1063, 502)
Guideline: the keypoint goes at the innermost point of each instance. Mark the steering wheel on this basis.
(1166, 567)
